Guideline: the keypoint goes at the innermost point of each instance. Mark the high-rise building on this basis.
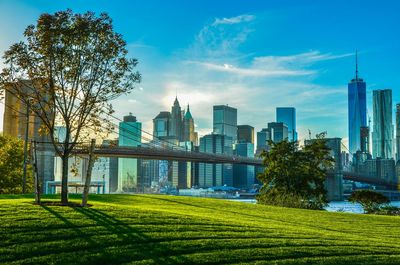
(189, 135)
(243, 175)
(382, 135)
(130, 134)
(278, 131)
(397, 132)
(262, 140)
(357, 110)
(245, 134)
(175, 128)
(215, 174)
(287, 115)
(16, 123)
(334, 180)
(225, 121)
(161, 124)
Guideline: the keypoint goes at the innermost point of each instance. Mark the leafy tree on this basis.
(11, 166)
(295, 177)
(68, 70)
(371, 201)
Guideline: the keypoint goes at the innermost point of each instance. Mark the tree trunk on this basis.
(88, 173)
(36, 175)
(64, 179)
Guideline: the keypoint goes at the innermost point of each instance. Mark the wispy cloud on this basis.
(233, 20)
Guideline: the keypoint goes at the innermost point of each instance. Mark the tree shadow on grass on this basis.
(132, 238)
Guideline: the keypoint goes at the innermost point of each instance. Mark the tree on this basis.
(371, 201)
(68, 70)
(11, 166)
(295, 177)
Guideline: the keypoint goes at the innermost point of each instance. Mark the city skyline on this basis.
(234, 56)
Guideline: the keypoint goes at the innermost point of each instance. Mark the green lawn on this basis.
(151, 229)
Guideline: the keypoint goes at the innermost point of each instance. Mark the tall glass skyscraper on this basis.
(225, 121)
(382, 136)
(130, 134)
(288, 117)
(397, 132)
(357, 109)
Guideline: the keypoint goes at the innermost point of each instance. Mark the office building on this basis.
(189, 135)
(245, 134)
(397, 132)
(262, 141)
(225, 121)
(17, 121)
(357, 110)
(130, 135)
(244, 175)
(334, 181)
(215, 174)
(288, 117)
(382, 135)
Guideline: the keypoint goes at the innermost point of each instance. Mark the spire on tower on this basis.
(356, 64)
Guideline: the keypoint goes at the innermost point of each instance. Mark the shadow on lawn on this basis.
(133, 245)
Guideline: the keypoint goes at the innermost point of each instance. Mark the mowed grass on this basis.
(157, 229)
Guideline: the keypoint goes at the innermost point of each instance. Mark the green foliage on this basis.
(157, 229)
(11, 166)
(295, 177)
(370, 200)
(67, 70)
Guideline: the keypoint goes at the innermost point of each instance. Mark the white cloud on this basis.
(233, 20)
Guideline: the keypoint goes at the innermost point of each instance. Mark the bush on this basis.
(371, 201)
(389, 210)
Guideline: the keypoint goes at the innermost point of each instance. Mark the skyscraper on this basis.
(382, 135)
(357, 109)
(225, 121)
(288, 117)
(175, 128)
(189, 135)
(130, 134)
(215, 174)
(278, 131)
(397, 131)
(245, 133)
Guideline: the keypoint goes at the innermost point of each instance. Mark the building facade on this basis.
(215, 174)
(382, 135)
(245, 134)
(357, 110)
(287, 115)
(225, 121)
(397, 132)
(130, 134)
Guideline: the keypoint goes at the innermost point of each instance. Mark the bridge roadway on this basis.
(201, 157)
(166, 154)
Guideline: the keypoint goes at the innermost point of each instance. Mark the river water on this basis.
(340, 206)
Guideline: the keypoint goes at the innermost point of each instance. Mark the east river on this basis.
(340, 206)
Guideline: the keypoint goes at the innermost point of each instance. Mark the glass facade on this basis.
(130, 134)
(215, 174)
(244, 176)
(225, 121)
(357, 111)
(382, 135)
(397, 132)
(288, 117)
(245, 134)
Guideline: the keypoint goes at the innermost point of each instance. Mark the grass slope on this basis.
(155, 229)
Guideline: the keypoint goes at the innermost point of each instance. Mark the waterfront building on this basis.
(244, 175)
(176, 128)
(130, 134)
(287, 115)
(334, 181)
(161, 124)
(262, 141)
(225, 121)
(382, 135)
(189, 134)
(278, 131)
(357, 110)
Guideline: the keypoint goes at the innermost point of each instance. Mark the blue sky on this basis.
(253, 55)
